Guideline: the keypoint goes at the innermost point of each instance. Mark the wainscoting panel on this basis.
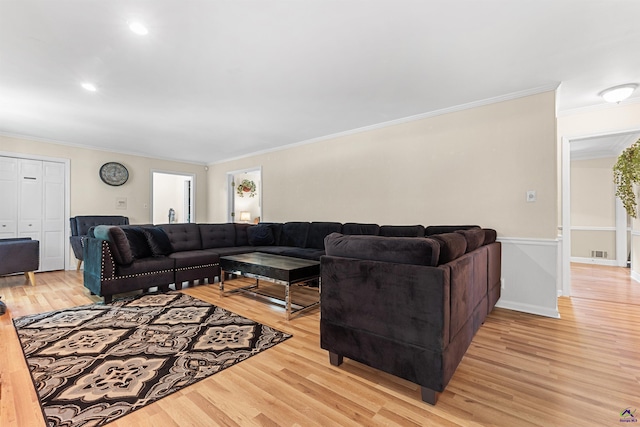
(530, 276)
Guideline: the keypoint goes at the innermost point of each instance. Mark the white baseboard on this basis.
(528, 308)
(595, 261)
(635, 276)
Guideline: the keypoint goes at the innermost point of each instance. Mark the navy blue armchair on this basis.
(80, 226)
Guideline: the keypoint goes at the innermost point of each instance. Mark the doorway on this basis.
(245, 196)
(172, 197)
(592, 146)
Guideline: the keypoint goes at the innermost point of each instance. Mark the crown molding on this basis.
(408, 119)
(90, 147)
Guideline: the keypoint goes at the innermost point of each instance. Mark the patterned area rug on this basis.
(95, 363)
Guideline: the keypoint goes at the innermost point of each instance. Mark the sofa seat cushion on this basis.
(292, 251)
(194, 258)
(232, 250)
(401, 250)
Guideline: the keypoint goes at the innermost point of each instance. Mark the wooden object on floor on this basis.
(520, 370)
(31, 277)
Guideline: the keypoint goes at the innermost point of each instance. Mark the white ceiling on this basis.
(217, 79)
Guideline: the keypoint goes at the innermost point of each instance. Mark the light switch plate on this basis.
(531, 196)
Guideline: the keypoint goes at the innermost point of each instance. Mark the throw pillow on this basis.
(260, 235)
(158, 241)
(138, 242)
(120, 247)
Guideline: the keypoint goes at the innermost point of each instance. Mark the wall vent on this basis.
(599, 254)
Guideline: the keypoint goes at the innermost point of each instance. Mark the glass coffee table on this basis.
(283, 270)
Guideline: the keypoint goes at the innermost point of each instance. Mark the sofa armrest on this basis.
(99, 261)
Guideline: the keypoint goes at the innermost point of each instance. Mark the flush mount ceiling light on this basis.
(138, 28)
(618, 93)
(90, 87)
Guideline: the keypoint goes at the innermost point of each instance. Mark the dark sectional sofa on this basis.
(403, 299)
(116, 261)
(408, 306)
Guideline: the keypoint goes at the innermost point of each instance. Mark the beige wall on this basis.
(90, 196)
(472, 166)
(613, 118)
(593, 212)
(593, 193)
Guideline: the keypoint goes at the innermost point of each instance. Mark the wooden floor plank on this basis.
(520, 369)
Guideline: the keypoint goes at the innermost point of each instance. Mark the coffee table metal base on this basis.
(254, 290)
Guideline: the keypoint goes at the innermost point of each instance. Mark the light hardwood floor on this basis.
(520, 370)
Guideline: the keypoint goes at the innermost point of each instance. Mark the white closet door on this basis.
(53, 237)
(9, 197)
(30, 198)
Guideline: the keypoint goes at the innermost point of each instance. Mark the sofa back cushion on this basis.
(183, 237)
(294, 234)
(402, 231)
(490, 235)
(217, 235)
(260, 235)
(318, 231)
(242, 239)
(441, 229)
(400, 250)
(474, 237)
(452, 246)
(276, 229)
(359, 229)
(81, 224)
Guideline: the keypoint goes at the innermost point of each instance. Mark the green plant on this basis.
(246, 186)
(626, 173)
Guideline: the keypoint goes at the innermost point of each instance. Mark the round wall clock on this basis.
(114, 173)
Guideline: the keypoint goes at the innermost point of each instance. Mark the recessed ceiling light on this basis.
(618, 93)
(138, 28)
(90, 87)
